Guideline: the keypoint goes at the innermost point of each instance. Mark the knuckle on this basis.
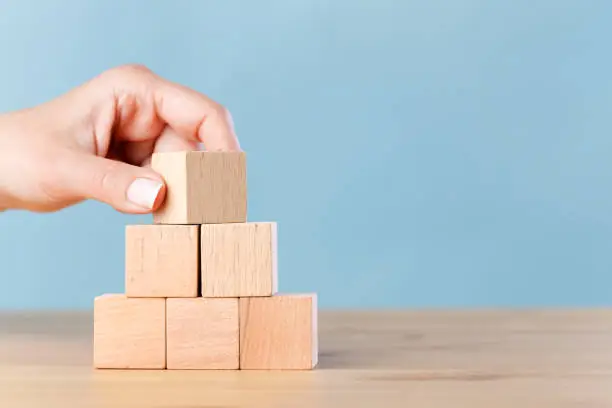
(139, 68)
(219, 111)
(125, 71)
(107, 178)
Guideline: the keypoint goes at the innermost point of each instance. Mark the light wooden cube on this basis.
(202, 334)
(129, 333)
(239, 260)
(162, 261)
(202, 187)
(279, 333)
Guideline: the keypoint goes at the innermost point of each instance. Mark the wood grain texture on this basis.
(239, 260)
(420, 358)
(129, 333)
(202, 334)
(279, 332)
(202, 187)
(162, 260)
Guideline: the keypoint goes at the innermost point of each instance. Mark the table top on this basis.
(527, 358)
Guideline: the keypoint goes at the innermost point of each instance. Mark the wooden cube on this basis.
(239, 260)
(202, 334)
(162, 261)
(202, 187)
(129, 333)
(279, 333)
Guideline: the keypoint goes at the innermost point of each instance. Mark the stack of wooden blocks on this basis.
(201, 282)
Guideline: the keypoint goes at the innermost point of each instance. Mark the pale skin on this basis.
(96, 141)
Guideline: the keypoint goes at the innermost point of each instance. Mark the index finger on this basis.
(194, 116)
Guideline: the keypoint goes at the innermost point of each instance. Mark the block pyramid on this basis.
(201, 282)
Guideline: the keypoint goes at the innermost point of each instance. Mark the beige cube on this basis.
(202, 334)
(279, 332)
(162, 261)
(202, 187)
(129, 333)
(239, 260)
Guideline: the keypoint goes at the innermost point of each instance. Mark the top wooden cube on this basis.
(202, 187)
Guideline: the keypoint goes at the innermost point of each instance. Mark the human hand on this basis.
(96, 141)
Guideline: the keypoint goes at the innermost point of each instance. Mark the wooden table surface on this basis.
(367, 359)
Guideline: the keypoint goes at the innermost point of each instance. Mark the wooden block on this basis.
(202, 187)
(279, 333)
(162, 260)
(239, 260)
(202, 334)
(129, 333)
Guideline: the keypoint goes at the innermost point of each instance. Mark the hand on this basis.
(96, 141)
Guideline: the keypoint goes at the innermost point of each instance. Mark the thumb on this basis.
(127, 188)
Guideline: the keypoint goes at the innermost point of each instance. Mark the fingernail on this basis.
(144, 192)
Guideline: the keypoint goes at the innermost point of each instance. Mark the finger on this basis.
(171, 141)
(137, 152)
(152, 102)
(195, 117)
(168, 141)
(136, 117)
(126, 188)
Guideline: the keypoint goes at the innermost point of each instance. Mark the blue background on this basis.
(415, 153)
